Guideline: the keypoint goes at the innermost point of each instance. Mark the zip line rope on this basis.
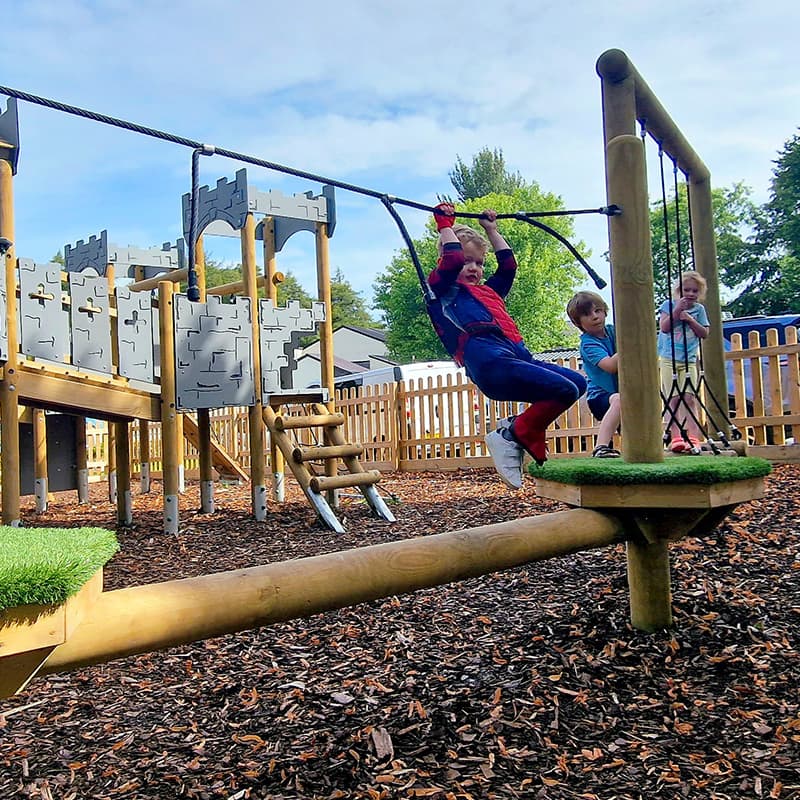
(199, 148)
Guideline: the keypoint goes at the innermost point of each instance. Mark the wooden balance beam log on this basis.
(140, 619)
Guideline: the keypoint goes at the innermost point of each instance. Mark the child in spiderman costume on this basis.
(472, 321)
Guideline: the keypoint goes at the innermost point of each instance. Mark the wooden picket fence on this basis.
(439, 424)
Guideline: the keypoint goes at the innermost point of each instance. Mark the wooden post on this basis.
(649, 584)
(169, 412)
(326, 341)
(144, 428)
(632, 285)
(632, 277)
(258, 456)
(81, 460)
(9, 400)
(111, 455)
(40, 459)
(270, 274)
(123, 447)
(203, 414)
(181, 440)
(113, 450)
(144, 456)
(705, 258)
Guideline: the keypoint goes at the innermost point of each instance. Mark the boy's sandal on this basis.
(604, 451)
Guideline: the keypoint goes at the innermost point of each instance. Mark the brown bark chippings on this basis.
(524, 684)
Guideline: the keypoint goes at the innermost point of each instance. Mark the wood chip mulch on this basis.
(524, 684)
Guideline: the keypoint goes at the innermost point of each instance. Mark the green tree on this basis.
(349, 306)
(219, 275)
(487, 175)
(58, 258)
(735, 221)
(290, 289)
(546, 278)
(770, 281)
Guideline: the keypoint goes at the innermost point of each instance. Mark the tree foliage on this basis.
(758, 248)
(349, 306)
(487, 175)
(771, 280)
(546, 278)
(735, 219)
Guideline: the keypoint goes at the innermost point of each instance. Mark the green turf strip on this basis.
(48, 565)
(704, 470)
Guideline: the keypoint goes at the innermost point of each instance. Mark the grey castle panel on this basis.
(153, 260)
(98, 253)
(9, 134)
(44, 322)
(88, 255)
(91, 321)
(228, 202)
(213, 353)
(303, 217)
(135, 335)
(3, 307)
(222, 212)
(279, 329)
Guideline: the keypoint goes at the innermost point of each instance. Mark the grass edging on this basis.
(705, 470)
(41, 566)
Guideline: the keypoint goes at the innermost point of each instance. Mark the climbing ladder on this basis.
(300, 457)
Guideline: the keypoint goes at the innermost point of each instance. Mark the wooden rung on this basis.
(326, 483)
(301, 454)
(311, 421)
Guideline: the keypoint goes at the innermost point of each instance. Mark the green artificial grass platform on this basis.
(47, 565)
(706, 470)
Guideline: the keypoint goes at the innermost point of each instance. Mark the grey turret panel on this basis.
(279, 328)
(135, 335)
(91, 321)
(87, 255)
(214, 353)
(44, 322)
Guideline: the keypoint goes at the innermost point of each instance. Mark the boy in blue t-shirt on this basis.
(598, 348)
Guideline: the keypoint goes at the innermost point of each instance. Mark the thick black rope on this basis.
(206, 149)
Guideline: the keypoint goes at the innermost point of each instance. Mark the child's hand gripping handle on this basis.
(444, 215)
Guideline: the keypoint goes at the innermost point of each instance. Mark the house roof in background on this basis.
(372, 332)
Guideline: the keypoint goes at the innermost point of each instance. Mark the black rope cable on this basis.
(207, 149)
(675, 389)
(680, 256)
(723, 412)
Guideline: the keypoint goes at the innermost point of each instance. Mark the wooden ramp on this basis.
(224, 463)
(299, 457)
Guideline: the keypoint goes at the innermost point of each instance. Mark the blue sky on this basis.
(379, 94)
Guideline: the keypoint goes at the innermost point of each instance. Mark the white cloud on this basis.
(374, 93)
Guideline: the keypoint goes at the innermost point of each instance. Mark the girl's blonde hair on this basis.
(466, 234)
(689, 275)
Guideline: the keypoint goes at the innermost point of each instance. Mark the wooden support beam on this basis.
(141, 619)
(149, 284)
(301, 454)
(285, 423)
(328, 483)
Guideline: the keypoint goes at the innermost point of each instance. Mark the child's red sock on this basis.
(530, 426)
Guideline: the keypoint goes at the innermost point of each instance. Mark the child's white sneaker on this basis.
(507, 456)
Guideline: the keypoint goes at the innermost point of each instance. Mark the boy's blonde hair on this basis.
(583, 303)
(466, 234)
(689, 275)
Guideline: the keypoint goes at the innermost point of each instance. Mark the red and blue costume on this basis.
(475, 327)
